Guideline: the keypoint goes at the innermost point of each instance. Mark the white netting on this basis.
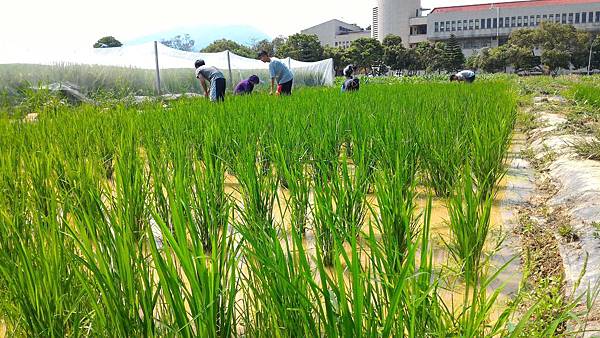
(143, 57)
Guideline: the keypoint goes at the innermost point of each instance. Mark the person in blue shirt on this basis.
(464, 75)
(278, 72)
(351, 83)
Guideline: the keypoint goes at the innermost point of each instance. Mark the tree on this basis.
(581, 49)
(492, 59)
(261, 45)
(454, 59)
(107, 42)
(395, 55)
(392, 40)
(595, 53)
(277, 43)
(339, 56)
(232, 46)
(430, 56)
(555, 59)
(366, 53)
(184, 43)
(302, 47)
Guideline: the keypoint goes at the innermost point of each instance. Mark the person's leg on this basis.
(221, 89)
(213, 90)
(286, 88)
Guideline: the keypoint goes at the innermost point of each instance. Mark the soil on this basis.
(559, 226)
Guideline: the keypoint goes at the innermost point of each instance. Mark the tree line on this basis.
(549, 47)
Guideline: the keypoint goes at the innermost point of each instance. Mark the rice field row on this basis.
(300, 216)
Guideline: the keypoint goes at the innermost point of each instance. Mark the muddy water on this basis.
(514, 190)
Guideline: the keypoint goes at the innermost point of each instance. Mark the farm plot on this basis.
(320, 214)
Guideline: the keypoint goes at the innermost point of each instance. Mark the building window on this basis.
(465, 25)
(513, 21)
(471, 24)
(459, 27)
(591, 17)
(437, 27)
(526, 21)
(454, 26)
(597, 16)
(544, 17)
(557, 18)
(551, 18)
(476, 23)
(583, 17)
(570, 18)
(442, 26)
(495, 22)
(564, 18)
(532, 20)
(538, 18)
(519, 21)
(447, 26)
(501, 23)
(489, 23)
(577, 16)
(482, 23)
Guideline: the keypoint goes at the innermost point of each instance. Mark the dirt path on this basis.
(566, 208)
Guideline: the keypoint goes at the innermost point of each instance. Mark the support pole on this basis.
(157, 69)
(229, 66)
(590, 58)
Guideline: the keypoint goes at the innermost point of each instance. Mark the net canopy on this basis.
(142, 57)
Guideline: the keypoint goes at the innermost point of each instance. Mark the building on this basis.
(478, 26)
(336, 33)
(375, 26)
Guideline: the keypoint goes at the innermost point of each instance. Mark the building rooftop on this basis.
(512, 4)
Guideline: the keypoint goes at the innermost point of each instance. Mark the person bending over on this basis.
(351, 83)
(463, 76)
(215, 77)
(278, 72)
(246, 86)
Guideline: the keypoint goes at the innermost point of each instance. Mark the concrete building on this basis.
(478, 26)
(489, 25)
(336, 33)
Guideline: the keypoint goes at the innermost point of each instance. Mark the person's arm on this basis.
(203, 84)
(272, 86)
(272, 73)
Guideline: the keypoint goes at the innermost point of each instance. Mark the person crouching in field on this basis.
(246, 86)
(215, 77)
(279, 72)
(465, 75)
(351, 83)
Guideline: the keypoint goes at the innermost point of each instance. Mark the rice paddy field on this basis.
(316, 215)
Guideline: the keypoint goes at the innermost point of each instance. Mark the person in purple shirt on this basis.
(246, 86)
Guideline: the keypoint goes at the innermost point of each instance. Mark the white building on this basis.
(336, 33)
(478, 26)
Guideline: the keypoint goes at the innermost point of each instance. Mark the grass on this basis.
(119, 221)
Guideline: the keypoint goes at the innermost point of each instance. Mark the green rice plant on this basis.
(293, 171)
(198, 287)
(37, 265)
(469, 211)
(259, 188)
(327, 224)
(395, 221)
